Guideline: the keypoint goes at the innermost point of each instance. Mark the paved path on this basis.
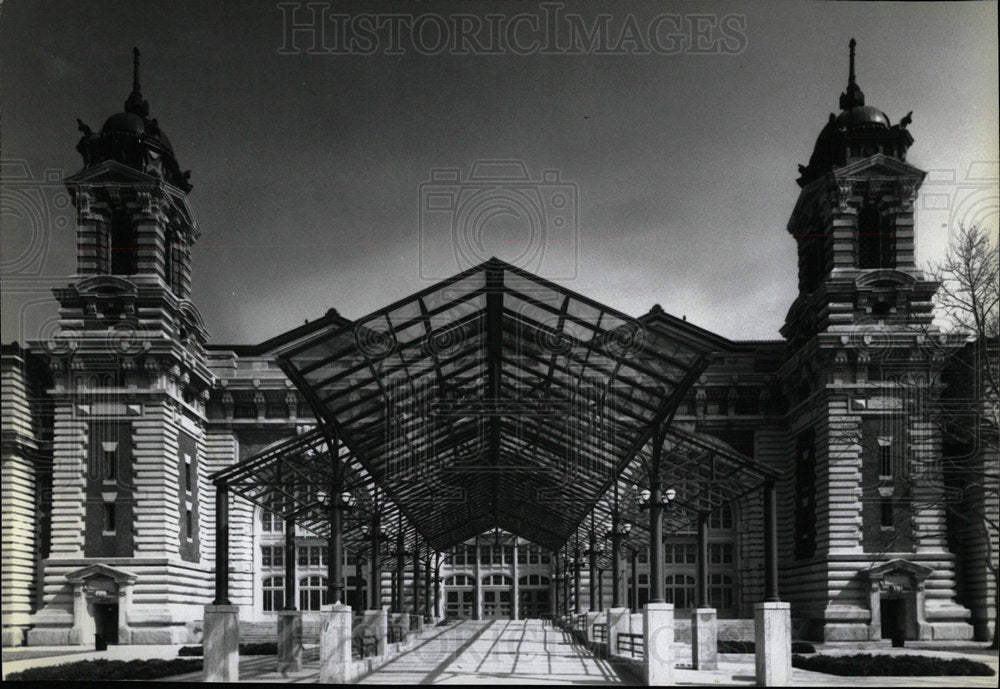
(497, 652)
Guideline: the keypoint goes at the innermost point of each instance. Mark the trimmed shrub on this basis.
(885, 665)
(102, 669)
(733, 646)
(263, 648)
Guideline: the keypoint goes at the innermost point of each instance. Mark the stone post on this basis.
(658, 641)
(773, 642)
(704, 639)
(592, 618)
(335, 645)
(377, 623)
(618, 623)
(289, 641)
(221, 643)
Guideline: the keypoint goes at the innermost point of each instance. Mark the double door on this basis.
(533, 603)
(496, 604)
(459, 603)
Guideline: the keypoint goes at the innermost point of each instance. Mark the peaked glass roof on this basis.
(495, 399)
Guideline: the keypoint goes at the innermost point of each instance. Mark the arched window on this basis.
(460, 580)
(497, 580)
(680, 590)
(876, 239)
(722, 518)
(720, 591)
(313, 593)
(274, 594)
(123, 247)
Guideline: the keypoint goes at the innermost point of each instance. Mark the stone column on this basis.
(289, 641)
(515, 592)
(704, 639)
(221, 643)
(618, 623)
(478, 608)
(773, 643)
(335, 645)
(658, 640)
(377, 624)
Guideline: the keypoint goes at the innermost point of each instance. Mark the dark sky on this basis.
(308, 168)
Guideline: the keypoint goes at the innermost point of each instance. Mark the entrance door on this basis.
(459, 603)
(534, 603)
(496, 604)
(106, 621)
(893, 618)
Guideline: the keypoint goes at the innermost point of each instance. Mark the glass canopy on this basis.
(495, 399)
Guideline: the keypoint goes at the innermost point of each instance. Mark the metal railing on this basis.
(364, 646)
(396, 634)
(633, 644)
(601, 632)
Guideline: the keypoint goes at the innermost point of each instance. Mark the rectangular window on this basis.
(188, 483)
(884, 459)
(245, 410)
(644, 556)
(110, 465)
(189, 523)
(508, 554)
(484, 554)
(110, 517)
(265, 556)
(303, 552)
(720, 553)
(544, 557)
(352, 558)
(313, 556)
(522, 554)
(275, 411)
(643, 580)
(888, 520)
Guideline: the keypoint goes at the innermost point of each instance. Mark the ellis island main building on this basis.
(114, 428)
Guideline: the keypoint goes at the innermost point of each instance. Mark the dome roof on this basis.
(862, 117)
(140, 127)
(124, 122)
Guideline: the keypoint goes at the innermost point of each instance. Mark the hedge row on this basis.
(264, 648)
(102, 669)
(885, 665)
(730, 646)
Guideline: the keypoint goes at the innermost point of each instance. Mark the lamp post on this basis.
(375, 536)
(654, 498)
(576, 581)
(336, 506)
(618, 533)
(593, 552)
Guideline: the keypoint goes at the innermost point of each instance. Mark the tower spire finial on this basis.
(135, 104)
(135, 68)
(850, 79)
(852, 96)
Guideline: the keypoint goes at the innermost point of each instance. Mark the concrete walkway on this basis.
(497, 652)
